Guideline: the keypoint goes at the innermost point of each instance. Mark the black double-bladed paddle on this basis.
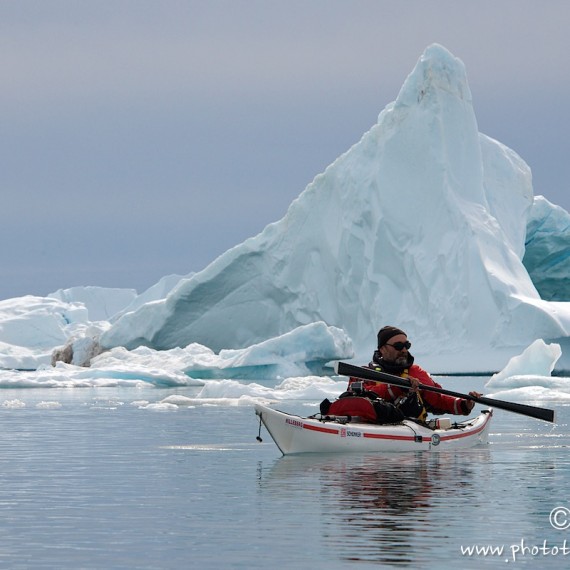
(345, 369)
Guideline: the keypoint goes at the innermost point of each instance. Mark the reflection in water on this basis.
(381, 507)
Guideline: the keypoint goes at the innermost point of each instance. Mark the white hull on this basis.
(295, 434)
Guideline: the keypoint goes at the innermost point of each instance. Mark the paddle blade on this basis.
(524, 409)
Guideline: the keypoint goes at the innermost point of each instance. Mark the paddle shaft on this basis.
(345, 369)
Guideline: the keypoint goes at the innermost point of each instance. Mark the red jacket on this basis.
(435, 403)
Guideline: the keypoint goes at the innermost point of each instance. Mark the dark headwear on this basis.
(386, 333)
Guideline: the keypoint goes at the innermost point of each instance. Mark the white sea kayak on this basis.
(325, 434)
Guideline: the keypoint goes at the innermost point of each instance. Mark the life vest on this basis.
(411, 404)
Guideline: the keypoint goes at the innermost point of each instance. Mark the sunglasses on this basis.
(401, 345)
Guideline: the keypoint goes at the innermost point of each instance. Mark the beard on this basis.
(401, 361)
(397, 366)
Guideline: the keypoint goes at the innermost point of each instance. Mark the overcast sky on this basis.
(144, 138)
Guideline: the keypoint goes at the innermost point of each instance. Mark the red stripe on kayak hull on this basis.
(321, 429)
(386, 436)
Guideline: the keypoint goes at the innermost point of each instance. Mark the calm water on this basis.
(99, 483)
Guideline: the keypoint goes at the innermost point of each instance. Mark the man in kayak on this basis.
(379, 402)
(393, 357)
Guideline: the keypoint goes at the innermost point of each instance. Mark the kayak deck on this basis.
(325, 434)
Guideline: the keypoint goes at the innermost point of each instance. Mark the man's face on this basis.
(390, 354)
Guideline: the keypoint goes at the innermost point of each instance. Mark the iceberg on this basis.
(547, 252)
(300, 353)
(422, 224)
(31, 327)
(528, 376)
(68, 321)
(306, 350)
(538, 359)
